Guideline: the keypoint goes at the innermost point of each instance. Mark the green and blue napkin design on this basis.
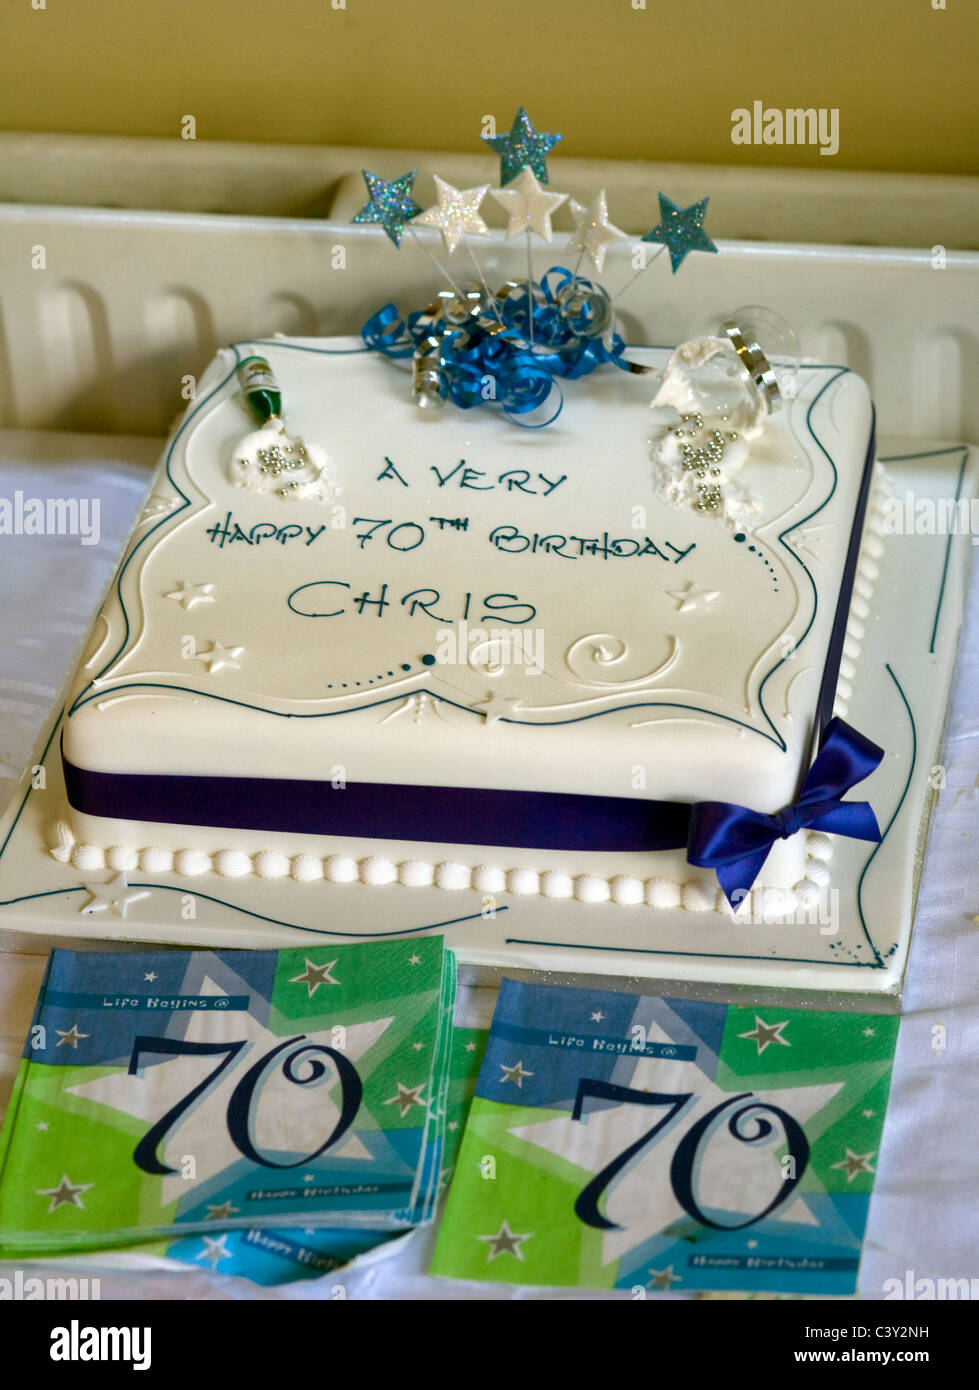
(617, 1141)
(289, 1107)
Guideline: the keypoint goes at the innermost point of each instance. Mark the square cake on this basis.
(406, 648)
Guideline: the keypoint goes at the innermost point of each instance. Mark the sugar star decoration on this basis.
(70, 1037)
(692, 600)
(455, 213)
(406, 1097)
(765, 1034)
(505, 1242)
(315, 975)
(66, 1194)
(189, 595)
(523, 148)
(853, 1164)
(527, 205)
(496, 707)
(218, 656)
(115, 897)
(390, 203)
(592, 230)
(681, 229)
(516, 1074)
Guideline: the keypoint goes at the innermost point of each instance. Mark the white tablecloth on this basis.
(924, 1217)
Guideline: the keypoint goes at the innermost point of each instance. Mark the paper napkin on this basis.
(183, 1092)
(621, 1141)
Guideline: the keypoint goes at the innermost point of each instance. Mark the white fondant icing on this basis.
(680, 735)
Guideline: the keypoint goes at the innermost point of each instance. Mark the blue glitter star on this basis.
(681, 229)
(523, 148)
(391, 203)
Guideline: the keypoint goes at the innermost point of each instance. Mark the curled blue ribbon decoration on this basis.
(511, 348)
(735, 841)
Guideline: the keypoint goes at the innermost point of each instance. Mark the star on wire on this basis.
(593, 232)
(527, 205)
(681, 229)
(390, 203)
(455, 213)
(523, 148)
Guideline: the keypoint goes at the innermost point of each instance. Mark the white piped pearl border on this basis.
(487, 879)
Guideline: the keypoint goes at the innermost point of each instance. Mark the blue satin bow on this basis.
(735, 841)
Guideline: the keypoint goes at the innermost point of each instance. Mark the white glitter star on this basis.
(592, 230)
(217, 657)
(527, 205)
(455, 213)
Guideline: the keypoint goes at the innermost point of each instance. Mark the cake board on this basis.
(850, 952)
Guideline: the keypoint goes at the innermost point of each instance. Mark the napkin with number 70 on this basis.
(182, 1092)
(620, 1141)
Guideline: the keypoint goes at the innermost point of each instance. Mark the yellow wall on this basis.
(659, 82)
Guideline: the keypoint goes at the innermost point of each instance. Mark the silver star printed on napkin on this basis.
(66, 1194)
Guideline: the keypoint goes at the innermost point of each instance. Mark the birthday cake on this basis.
(408, 648)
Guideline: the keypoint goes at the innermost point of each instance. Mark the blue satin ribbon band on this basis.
(731, 839)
